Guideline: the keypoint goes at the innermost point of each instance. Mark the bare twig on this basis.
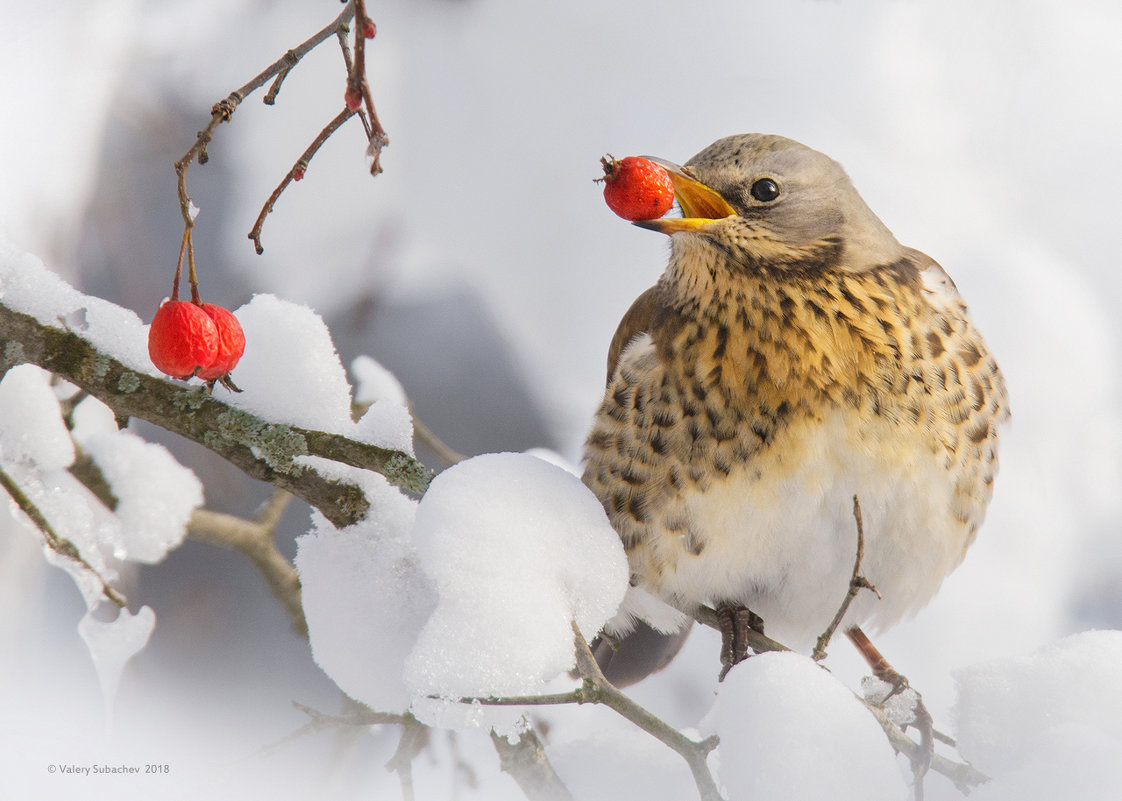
(856, 583)
(60, 545)
(596, 689)
(295, 173)
(224, 109)
(425, 435)
(413, 737)
(255, 540)
(528, 765)
(318, 721)
(428, 437)
(375, 133)
(965, 776)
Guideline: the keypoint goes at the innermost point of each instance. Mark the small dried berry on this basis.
(636, 188)
(298, 174)
(231, 342)
(182, 339)
(369, 29)
(353, 97)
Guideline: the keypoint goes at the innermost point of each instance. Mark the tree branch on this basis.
(528, 765)
(60, 545)
(596, 689)
(295, 174)
(262, 449)
(965, 776)
(255, 540)
(224, 109)
(760, 643)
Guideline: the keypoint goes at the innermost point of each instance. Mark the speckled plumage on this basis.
(792, 355)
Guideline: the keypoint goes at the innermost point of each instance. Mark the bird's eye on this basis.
(765, 190)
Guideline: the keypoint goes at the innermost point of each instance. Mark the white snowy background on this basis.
(484, 270)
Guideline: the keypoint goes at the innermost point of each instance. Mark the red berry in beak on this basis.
(636, 188)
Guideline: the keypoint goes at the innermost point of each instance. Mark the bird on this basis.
(793, 357)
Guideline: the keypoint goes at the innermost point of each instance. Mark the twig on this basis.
(413, 736)
(224, 109)
(760, 643)
(965, 776)
(425, 435)
(297, 169)
(528, 765)
(856, 583)
(318, 721)
(596, 689)
(428, 437)
(376, 134)
(255, 540)
(60, 545)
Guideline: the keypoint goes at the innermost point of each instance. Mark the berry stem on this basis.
(192, 276)
(179, 264)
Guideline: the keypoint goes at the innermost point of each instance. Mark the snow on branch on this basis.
(262, 449)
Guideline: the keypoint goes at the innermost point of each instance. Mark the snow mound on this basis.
(365, 596)
(517, 549)
(31, 427)
(1046, 725)
(291, 373)
(789, 729)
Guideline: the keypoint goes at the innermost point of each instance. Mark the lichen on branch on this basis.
(264, 449)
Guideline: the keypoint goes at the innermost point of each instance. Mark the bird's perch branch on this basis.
(596, 689)
(857, 582)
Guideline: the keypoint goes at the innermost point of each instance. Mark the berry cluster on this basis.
(636, 188)
(190, 338)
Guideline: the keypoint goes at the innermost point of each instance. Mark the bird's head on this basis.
(767, 201)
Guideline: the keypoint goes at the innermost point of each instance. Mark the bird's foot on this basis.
(903, 704)
(734, 622)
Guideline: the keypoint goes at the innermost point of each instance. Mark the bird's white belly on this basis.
(779, 534)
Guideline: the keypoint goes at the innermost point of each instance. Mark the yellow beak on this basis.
(700, 204)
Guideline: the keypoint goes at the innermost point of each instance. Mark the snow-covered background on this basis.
(483, 269)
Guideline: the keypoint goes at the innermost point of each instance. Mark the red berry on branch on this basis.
(298, 174)
(369, 29)
(231, 342)
(353, 97)
(636, 188)
(182, 339)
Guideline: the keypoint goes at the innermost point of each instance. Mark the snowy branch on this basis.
(60, 545)
(526, 762)
(596, 689)
(262, 449)
(965, 776)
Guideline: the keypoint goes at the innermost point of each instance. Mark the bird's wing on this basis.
(939, 286)
(636, 321)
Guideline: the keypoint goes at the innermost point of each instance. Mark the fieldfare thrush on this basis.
(792, 356)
